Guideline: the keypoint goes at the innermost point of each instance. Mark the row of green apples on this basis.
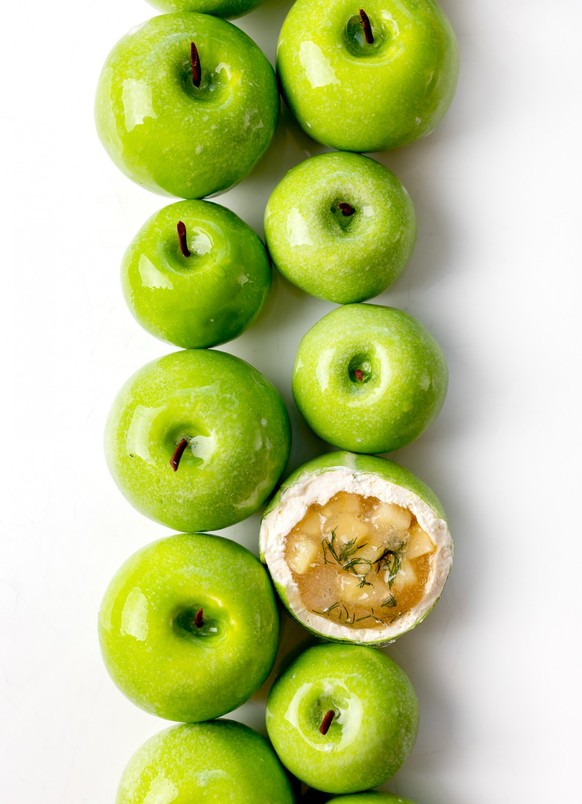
(189, 630)
(187, 104)
(159, 430)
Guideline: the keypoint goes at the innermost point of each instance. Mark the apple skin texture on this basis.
(153, 650)
(372, 733)
(240, 435)
(206, 763)
(340, 258)
(207, 298)
(372, 797)
(218, 8)
(175, 138)
(355, 96)
(404, 386)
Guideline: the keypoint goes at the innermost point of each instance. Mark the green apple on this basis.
(369, 378)
(370, 798)
(342, 718)
(189, 627)
(341, 227)
(186, 104)
(195, 274)
(218, 8)
(367, 76)
(197, 440)
(205, 763)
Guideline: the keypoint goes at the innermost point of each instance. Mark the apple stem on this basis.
(199, 618)
(183, 239)
(347, 209)
(326, 722)
(367, 27)
(359, 374)
(178, 452)
(195, 62)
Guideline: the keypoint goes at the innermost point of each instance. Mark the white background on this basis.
(495, 276)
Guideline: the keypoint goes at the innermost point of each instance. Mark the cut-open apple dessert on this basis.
(358, 548)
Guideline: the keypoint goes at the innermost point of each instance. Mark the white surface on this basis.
(496, 277)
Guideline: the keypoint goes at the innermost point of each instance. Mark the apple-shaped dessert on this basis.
(358, 548)
(340, 226)
(206, 763)
(367, 76)
(189, 627)
(186, 104)
(369, 378)
(342, 718)
(218, 8)
(195, 274)
(197, 440)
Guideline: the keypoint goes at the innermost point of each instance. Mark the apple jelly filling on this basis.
(359, 561)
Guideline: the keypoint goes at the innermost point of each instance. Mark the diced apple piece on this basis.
(354, 594)
(310, 525)
(390, 518)
(372, 547)
(342, 503)
(302, 554)
(419, 543)
(347, 528)
(406, 576)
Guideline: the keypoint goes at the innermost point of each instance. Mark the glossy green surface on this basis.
(403, 378)
(151, 645)
(356, 96)
(203, 299)
(341, 258)
(237, 427)
(370, 798)
(205, 763)
(171, 136)
(218, 8)
(375, 723)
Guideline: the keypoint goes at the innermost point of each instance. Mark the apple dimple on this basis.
(365, 36)
(185, 249)
(188, 445)
(360, 369)
(344, 214)
(210, 81)
(193, 623)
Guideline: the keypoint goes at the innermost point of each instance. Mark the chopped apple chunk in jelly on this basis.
(347, 527)
(302, 555)
(420, 543)
(359, 561)
(391, 517)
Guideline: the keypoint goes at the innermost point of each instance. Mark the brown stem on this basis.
(195, 62)
(359, 374)
(347, 209)
(199, 618)
(178, 452)
(326, 722)
(181, 227)
(367, 27)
